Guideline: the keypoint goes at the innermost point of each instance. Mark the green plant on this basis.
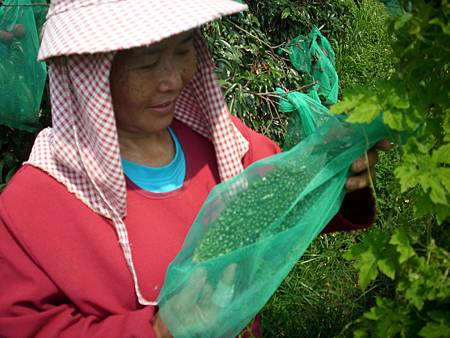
(14, 148)
(15, 145)
(363, 50)
(248, 51)
(415, 256)
(320, 296)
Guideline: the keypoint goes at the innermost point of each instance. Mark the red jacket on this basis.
(62, 272)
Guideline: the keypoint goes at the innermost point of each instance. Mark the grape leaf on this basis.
(438, 327)
(442, 154)
(402, 242)
(367, 265)
(360, 104)
(387, 266)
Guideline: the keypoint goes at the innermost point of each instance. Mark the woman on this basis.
(140, 135)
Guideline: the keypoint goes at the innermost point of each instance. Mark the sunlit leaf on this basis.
(402, 242)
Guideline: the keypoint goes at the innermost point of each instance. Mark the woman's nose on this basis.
(172, 77)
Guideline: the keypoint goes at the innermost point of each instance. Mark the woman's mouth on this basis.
(163, 108)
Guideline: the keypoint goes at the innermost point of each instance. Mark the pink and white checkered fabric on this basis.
(81, 150)
(93, 26)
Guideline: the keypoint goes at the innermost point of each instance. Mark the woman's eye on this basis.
(183, 52)
(148, 66)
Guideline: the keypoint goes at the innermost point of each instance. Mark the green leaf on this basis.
(446, 125)
(425, 206)
(360, 333)
(387, 266)
(398, 102)
(442, 213)
(10, 174)
(389, 318)
(286, 13)
(442, 154)
(402, 242)
(445, 27)
(402, 20)
(436, 329)
(415, 293)
(438, 193)
(407, 175)
(360, 104)
(367, 265)
(373, 312)
(424, 171)
(394, 119)
(368, 110)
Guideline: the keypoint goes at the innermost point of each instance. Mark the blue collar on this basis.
(159, 179)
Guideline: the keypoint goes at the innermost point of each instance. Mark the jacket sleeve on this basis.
(32, 306)
(357, 212)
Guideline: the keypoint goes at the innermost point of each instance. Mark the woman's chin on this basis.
(159, 123)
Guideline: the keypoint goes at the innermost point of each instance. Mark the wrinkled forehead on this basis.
(172, 43)
(87, 70)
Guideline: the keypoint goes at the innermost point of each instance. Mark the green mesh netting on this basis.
(301, 125)
(253, 228)
(22, 78)
(314, 55)
(393, 6)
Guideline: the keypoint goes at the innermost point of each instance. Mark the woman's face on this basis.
(145, 83)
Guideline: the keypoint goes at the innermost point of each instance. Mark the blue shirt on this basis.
(159, 179)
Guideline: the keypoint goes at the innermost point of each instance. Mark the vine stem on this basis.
(278, 94)
(372, 185)
(254, 36)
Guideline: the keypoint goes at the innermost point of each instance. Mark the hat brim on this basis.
(126, 24)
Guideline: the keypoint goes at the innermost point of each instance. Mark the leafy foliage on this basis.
(249, 51)
(15, 145)
(414, 100)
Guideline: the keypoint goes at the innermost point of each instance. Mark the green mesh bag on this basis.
(22, 77)
(253, 229)
(302, 125)
(314, 55)
(393, 6)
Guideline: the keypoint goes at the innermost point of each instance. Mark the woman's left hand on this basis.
(365, 166)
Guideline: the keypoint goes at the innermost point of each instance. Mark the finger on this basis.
(384, 145)
(214, 300)
(205, 304)
(229, 274)
(161, 330)
(364, 162)
(360, 181)
(208, 292)
(189, 294)
(224, 292)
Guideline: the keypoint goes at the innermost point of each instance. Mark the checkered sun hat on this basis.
(93, 26)
(81, 150)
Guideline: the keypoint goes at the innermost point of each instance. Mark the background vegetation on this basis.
(339, 288)
(321, 296)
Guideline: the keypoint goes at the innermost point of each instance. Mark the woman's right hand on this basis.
(197, 305)
(161, 330)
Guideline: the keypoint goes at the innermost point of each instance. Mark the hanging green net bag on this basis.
(22, 77)
(313, 55)
(393, 6)
(252, 229)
